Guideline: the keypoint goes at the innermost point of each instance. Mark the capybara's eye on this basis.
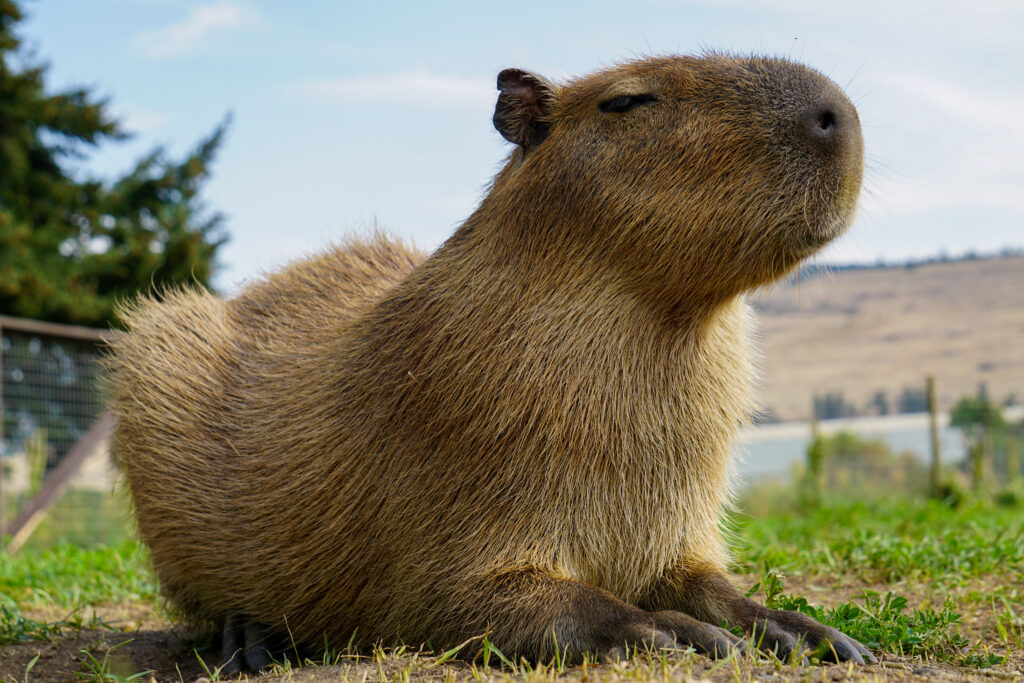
(625, 103)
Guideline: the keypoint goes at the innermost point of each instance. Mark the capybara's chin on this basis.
(809, 239)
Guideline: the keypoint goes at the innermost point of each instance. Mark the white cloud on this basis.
(953, 146)
(201, 23)
(920, 11)
(411, 88)
(141, 121)
(999, 113)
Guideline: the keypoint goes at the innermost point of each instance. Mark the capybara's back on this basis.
(526, 433)
(189, 380)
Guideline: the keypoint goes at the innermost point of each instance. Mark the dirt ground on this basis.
(137, 639)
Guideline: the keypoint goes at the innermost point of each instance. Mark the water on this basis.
(773, 449)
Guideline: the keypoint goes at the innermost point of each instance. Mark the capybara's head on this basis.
(695, 177)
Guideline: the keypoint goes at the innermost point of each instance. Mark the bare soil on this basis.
(139, 639)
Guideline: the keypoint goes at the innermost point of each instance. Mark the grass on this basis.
(102, 669)
(79, 517)
(1009, 622)
(880, 623)
(16, 628)
(889, 539)
(973, 556)
(68, 576)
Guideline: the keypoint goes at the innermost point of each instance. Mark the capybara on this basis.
(526, 433)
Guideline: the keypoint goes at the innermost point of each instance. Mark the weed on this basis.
(982, 661)
(489, 648)
(15, 628)
(1009, 625)
(211, 674)
(29, 667)
(100, 670)
(879, 622)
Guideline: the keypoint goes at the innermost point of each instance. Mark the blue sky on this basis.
(348, 113)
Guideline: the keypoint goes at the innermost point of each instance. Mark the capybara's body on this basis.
(525, 433)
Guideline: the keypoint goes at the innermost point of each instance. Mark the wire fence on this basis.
(52, 397)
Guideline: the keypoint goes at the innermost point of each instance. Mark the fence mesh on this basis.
(51, 396)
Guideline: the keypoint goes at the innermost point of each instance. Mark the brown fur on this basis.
(527, 431)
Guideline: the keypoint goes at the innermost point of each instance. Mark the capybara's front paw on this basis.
(705, 638)
(795, 635)
(670, 630)
(641, 635)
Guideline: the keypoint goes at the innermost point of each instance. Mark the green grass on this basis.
(901, 540)
(889, 539)
(976, 549)
(878, 622)
(80, 517)
(71, 579)
(67, 576)
(16, 628)
(101, 669)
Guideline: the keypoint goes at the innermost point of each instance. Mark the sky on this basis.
(351, 114)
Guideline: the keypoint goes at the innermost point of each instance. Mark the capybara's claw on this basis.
(786, 632)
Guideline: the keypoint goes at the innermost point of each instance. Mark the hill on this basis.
(861, 331)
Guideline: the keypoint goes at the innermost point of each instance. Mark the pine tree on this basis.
(71, 248)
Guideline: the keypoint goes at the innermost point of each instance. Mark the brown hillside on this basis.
(884, 329)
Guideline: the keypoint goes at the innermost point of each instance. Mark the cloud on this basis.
(870, 10)
(963, 147)
(416, 88)
(139, 120)
(202, 22)
(992, 113)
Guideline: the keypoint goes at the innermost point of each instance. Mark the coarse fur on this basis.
(527, 431)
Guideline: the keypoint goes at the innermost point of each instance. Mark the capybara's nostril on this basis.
(828, 124)
(826, 121)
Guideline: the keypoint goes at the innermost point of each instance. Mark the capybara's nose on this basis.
(831, 126)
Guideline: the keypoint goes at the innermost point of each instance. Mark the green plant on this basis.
(75, 244)
(29, 667)
(490, 649)
(68, 576)
(879, 622)
(1009, 624)
(886, 539)
(15, 628)
(100, 670)
(977, 418)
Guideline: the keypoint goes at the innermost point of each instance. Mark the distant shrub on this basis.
(845, 461)
(992, 444)
(832, 405)
(879, 403)
(913, 400)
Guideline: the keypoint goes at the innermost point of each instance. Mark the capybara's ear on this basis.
(522, 109)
